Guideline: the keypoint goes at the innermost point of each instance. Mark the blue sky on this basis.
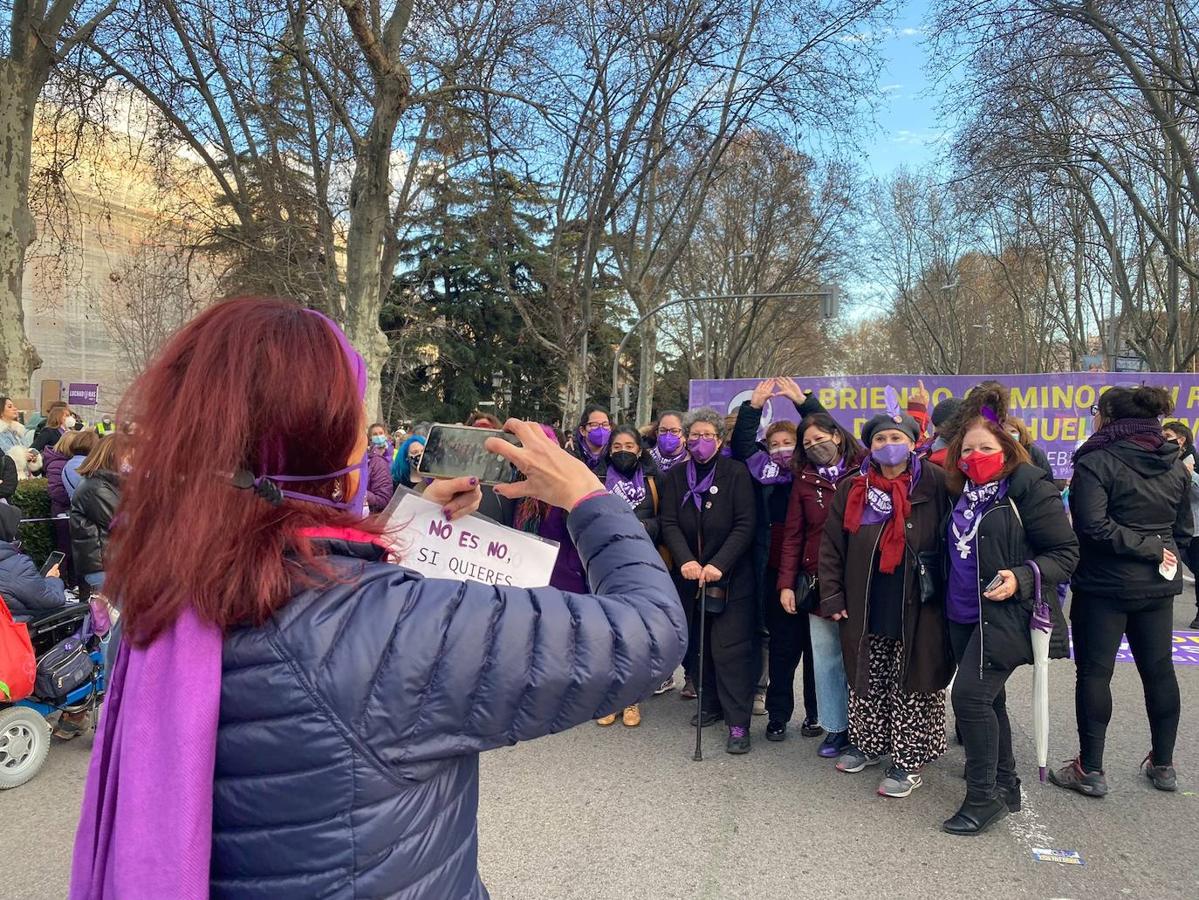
(909, 131)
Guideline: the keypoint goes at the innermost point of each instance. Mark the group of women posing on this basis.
(885, 572)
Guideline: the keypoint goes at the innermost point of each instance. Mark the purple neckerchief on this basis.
(631, 490)
(666, 463)
(878, 502)
(696, 491)
(591, 457)
(976, 499)
(138, 839)
(766, 471)
(833, 473)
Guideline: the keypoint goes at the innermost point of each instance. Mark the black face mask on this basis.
(625, 461)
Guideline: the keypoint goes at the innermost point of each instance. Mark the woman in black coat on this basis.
(707, 520)
(1130, 500)
(1008, 519)
(92, 509)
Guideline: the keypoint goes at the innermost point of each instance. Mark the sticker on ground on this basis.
(1184, 649)
(1065, 857)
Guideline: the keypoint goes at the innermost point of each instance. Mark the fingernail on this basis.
(474, 481)
(446, 512)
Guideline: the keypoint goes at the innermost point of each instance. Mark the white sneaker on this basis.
(759, 704)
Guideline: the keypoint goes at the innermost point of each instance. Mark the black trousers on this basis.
(980, 707)
(790, 640)
(1098, 624)
(729, 670)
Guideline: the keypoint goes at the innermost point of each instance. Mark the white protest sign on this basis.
(470, 549)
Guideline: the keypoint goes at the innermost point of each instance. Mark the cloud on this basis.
(890, 88)
(919, 138)
(910, 32)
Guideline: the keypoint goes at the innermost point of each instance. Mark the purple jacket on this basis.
(52, 464)
(378, 484)
(568, 574)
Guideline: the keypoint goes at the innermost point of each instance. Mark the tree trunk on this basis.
(19, 90)
(647, 370)
(370, 217)
(574, 393)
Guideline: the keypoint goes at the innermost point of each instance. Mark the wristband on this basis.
(586, 497)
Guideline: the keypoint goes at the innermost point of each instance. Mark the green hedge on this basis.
(33, 499)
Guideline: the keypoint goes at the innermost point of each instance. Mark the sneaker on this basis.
(759, 704)
(710, 718)
(688, 691)
(665, 687)
(1074, 778)
(631, 717)
(854, 760)
(810, 728)
(738, 740)
(1163, 777)
(834, 744)
(776, 730)
(70, 726)
(899, 783)
(605, 721)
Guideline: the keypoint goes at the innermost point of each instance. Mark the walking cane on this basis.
(699, 681)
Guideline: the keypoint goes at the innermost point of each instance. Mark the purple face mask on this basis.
(703, 449)
(669, 444)
(783, 456)
(891, 454)
(267, 486)
(599, 436)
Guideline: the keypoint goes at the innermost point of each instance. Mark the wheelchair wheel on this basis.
(24, 745)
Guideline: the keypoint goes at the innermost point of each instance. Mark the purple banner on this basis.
(1056, 407)
(83, 394)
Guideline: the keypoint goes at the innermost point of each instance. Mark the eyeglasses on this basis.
(695, 436)
(677, 432)
(594, 426)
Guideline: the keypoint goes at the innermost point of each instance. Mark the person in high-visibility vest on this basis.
(105, 426)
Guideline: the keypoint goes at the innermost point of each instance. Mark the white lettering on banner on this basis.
(471, 549)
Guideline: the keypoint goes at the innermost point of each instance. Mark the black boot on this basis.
(1010, 795)
(975, 817)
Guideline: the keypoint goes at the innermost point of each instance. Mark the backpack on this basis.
(18, 669)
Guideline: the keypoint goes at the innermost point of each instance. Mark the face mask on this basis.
(68, 423)
(625, 461)
(982, 468)
(379, 440)
(703, 448)
(824, 454)
(783, 455)
(599, 436)
(891, 454)
(264, 485)
(413, 463)
(669, 444)
(1014, 436)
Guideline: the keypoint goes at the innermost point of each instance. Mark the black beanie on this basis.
(944, 411)
(882, 422)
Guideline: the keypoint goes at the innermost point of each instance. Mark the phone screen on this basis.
(54, 559)
(457, 451)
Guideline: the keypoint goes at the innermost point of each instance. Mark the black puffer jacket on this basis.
(1129, 504)
(347, 756)
(92, 509)
(1029, 523)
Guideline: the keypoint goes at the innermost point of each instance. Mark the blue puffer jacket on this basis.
(351, 723)
(25, 591)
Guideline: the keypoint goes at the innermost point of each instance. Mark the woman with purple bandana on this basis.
(1009, 544)
(595, 427)
(880, 577)
(671, 449)
(707, 520)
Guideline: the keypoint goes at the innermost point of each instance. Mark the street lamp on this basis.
(828, 310)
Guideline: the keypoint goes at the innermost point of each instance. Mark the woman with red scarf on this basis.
(881, 578)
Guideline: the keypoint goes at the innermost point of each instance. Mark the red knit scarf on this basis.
(892, 542)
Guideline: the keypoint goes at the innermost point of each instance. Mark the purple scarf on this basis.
(834, 472)
(630, 490)
(1145, 432)
(766, 471)
(696, 491)
(590, 455)
(146, 826)
(666, 463)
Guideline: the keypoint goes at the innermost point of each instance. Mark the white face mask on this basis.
(68, 423)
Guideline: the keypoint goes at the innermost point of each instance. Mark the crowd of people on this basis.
(882, 566)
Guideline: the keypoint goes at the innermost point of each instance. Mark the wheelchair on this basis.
(25, 729)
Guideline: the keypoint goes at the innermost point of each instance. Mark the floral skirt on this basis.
(889, 721)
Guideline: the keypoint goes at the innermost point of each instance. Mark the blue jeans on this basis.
(832, 690)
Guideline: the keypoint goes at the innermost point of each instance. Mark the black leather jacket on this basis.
(92, 510)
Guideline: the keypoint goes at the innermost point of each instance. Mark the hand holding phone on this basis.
(459, 451)
(49, 568)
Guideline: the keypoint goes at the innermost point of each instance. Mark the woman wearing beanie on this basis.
(1130, 501)
(827, 455)
(880, 577)
(1009, 546)
(707, 519)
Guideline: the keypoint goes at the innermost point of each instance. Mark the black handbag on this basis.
(807, 593)
(63, 668)
(931, 573)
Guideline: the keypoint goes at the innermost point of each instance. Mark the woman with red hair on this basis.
(289, 715)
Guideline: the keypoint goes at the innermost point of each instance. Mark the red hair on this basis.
(184, 534)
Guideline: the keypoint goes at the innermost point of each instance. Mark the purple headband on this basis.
(357, 363)
(989, 414)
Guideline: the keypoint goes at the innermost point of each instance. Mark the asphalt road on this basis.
(625, 813)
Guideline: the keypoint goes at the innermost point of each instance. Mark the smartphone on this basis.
(457, 451)
(54, 559)
(995, 582)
